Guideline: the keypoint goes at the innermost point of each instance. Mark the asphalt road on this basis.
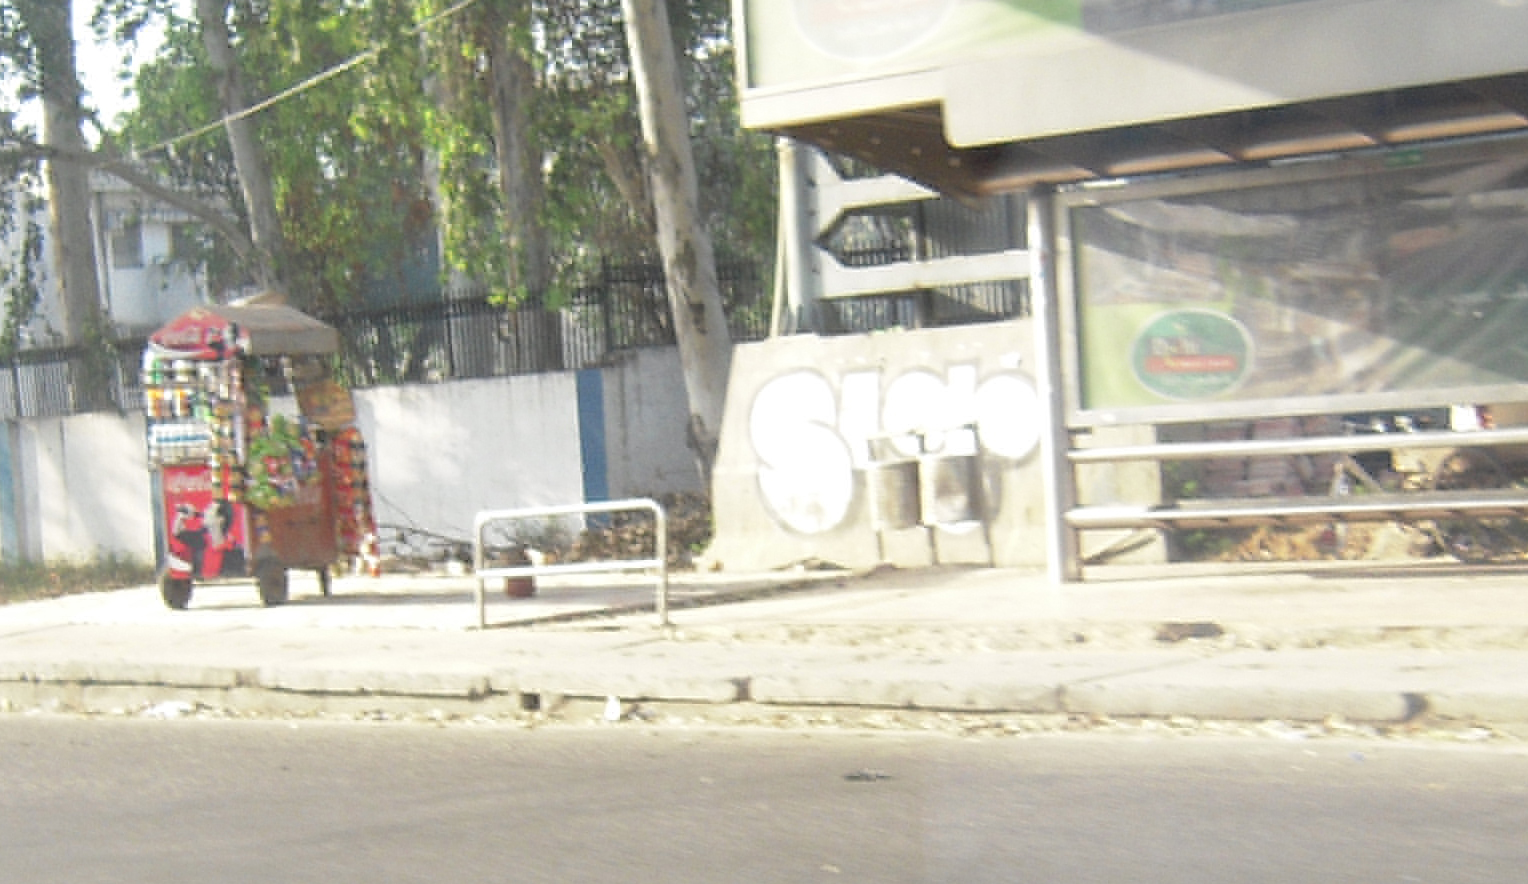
(237, 801)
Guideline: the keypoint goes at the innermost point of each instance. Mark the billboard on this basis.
(1403, 282)
(815, 41)
(1003, 71)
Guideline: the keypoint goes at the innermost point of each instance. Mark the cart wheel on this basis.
(176, 591)
(325, 582)
(271, 578)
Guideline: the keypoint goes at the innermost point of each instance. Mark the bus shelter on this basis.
(1256, 228)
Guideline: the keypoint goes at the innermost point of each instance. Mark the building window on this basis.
(185, 244)
(127, 244)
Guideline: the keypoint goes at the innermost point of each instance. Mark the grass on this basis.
(25, 581)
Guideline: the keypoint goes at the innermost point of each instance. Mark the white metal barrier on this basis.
(658, 562)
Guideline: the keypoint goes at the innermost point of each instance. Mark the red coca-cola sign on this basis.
(205, 535)
(197, 334)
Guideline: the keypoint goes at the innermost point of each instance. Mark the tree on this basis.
(689, 265)
(270, 265)
(540, 143)
(21, 206)
(345, 151)
(38, 42)
(487, 70)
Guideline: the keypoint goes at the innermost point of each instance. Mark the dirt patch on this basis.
(630, 535)
(1306, 543)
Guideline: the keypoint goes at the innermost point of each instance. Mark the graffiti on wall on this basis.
(810, 432)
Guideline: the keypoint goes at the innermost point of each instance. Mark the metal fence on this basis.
(46, 382)
(920, 231)
(464, 335)
(460, 334)
(484, 569)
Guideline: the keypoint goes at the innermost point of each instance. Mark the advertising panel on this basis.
(207, 535)
(812, 40)
(807, 41)
(1012, 70)
(1408, 281)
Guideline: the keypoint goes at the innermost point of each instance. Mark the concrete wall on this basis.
(790, 483)
(794, 473)
(78, 487)
(82, 483)
(439, 453)
(646, 425)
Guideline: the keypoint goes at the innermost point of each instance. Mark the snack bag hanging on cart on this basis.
(330, 406)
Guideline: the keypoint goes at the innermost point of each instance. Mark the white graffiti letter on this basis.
(1008, 415)
(806, 475)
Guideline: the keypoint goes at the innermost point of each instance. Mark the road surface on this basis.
(129, 800)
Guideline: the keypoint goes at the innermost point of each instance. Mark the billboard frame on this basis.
(1079, 414)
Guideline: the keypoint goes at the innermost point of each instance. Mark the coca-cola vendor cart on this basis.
(243, 491)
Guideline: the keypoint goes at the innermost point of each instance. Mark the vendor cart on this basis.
(242, 489)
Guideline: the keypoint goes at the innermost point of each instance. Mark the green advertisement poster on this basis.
(1366, 284)
(808, 42)
(1191, 354)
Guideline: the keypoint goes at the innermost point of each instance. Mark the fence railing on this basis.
(456, 335)
(658, 562)
(464, 335)
(49, 382)
(461, 334)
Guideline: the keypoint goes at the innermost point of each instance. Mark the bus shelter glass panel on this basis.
(1395, 282)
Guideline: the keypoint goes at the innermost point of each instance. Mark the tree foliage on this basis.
(353, 154)
(21, 211)
(345, 155)
(37, 42)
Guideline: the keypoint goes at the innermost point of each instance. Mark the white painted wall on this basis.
(84, 484)
(793, 478)
(646, 416)
(439, 453)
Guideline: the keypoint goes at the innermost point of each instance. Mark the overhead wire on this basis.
(306, 84)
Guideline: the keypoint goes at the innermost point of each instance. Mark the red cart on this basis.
(243, 489)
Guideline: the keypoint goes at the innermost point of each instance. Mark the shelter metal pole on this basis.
(1062, 560)
(796, 287)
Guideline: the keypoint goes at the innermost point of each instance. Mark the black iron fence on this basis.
(51, 382)
(464, 335)
(460, 335)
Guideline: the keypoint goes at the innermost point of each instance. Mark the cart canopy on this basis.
(220, 331)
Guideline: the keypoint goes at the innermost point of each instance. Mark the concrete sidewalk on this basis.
(1423, 645)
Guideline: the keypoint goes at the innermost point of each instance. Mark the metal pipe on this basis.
(1300, 445)
(659, 562)
(1061, 546)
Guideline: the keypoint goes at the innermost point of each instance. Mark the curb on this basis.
(1378, 688)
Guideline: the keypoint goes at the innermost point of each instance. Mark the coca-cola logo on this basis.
(179, 482)
(199, 334)
(185, 338)
(868, 29)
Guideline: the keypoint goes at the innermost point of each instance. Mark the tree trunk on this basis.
(512, 81)
(249, 158)
(72, 239)
(689, 265)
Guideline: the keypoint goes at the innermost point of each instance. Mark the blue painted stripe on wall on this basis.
(10, 540)
(591, 433)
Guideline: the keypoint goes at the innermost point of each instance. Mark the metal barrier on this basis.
(659, 561)
(1510, 501)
